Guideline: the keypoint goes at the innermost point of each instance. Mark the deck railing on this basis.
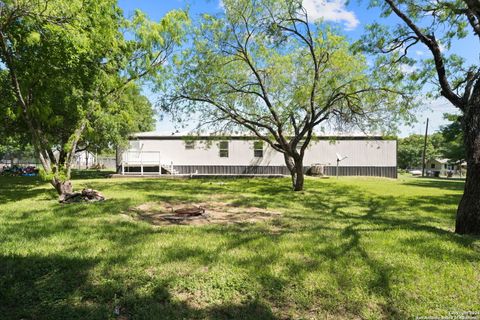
(145, 159)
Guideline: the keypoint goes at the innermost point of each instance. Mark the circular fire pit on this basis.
(189, 212)
(198, 213)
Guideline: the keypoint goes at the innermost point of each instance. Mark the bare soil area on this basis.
(163, 213)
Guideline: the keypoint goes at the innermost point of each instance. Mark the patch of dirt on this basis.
(162, 213)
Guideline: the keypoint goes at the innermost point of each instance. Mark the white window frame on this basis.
(258, 150)
(222, 151)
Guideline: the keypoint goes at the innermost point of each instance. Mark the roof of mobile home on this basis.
(155, 135)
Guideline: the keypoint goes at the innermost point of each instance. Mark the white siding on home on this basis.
(380, 153)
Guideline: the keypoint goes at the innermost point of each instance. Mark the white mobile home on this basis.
(150, 153)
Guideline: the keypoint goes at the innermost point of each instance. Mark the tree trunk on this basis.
(468, 213)
(295, 166)
(73, 141)
(118, 158)
(299, 176)
(63, 188)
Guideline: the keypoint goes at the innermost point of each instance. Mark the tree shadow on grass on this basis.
(160, 304)
(378, 215)
(20, 188)
(72, 221)
(36, 287)
(91, 174)
(445, 184)
(59, 287)
(326, 233)
(386, 213)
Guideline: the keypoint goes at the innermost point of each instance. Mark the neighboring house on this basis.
(444, 166)
(441, 166)
(151, 153)
(84, 160)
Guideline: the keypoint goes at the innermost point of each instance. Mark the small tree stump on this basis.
(87, 195)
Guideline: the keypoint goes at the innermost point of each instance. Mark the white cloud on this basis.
(331, 10)
(408, 69)
(419, 53)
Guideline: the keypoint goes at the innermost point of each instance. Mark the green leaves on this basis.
(434, 26)
(151, 43)
(79, 65)
(33, 38)
(410, 150)
(453, 136)
(262, 67)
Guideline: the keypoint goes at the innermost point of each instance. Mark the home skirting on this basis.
(368, 171)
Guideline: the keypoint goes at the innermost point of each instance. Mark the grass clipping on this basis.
(161, 213)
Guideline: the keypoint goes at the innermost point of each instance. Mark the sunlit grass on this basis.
(348, 248)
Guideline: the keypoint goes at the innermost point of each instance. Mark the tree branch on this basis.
(432, 44)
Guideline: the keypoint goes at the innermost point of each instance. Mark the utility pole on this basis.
(424, 149)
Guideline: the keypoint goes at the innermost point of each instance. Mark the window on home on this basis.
(433, 165)
(258, 149)
(189, 145)
(223, 146)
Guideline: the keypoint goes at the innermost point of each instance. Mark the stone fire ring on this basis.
(189, 212)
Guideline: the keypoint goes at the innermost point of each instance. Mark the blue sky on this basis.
(351, 17)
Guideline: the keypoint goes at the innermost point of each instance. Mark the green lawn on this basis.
(353, 248)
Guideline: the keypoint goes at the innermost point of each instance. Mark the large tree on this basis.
(438, 25)
(264, 67)
(107, 128)
(72, 66)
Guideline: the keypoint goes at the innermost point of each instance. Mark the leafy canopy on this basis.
(435, 26)
(71, 71)
(452, 133)
(263, 66)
